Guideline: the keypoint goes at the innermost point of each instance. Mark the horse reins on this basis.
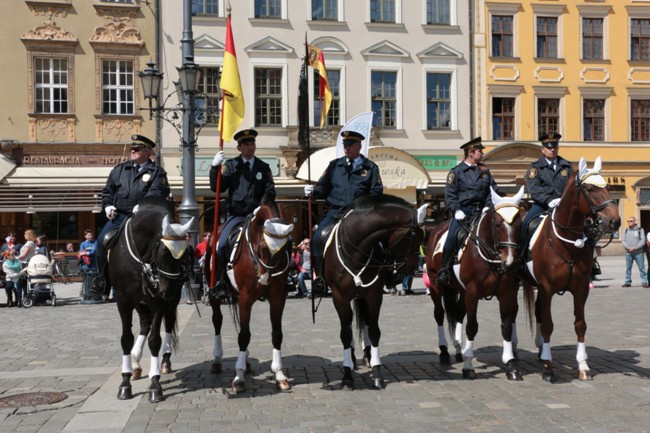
(256, 260)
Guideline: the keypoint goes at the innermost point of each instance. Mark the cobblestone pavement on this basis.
(74, 349)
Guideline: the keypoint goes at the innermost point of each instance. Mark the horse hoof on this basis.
(156, 395)
(283, 385)
(216, 368)
(166, 368)
(378, 383)
(549, 376)
(514, 375)
(445, 359)
(585, 375)
(136, 374)
(469, 374)
(347, 384)
(239, 386)
(459, 357)
(124, 393)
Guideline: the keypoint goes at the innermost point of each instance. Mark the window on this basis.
(382, 11)
(438, 100)
(548, 115)
(640, 119)
(209, 85)
(324, 10)
(592, 38)
(117, 87)
(384, 98)
(268, 9)
(502, 32)
(334, 115)
(503, 118)
(640, 38)
(50, 86)
(593, 119)
(268, 97)
(205, 7)
(547, 37)
(438, 12)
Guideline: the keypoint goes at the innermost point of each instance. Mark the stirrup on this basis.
(318, 287)
(443, 276)
(219, 292)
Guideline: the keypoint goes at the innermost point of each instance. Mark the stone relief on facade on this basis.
(51, 129)
(116, 15)
(48, 10)
(115, 130)
(49, 31)
(117, 33)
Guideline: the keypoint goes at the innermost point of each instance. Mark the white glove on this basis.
(111, 212)
(459, 215)
(485, 209)
(553, 203)
(309, 189)
(136, 208)
(218, 158)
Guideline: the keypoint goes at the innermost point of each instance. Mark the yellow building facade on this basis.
(577, 67)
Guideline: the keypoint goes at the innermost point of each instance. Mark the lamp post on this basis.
(192, 108)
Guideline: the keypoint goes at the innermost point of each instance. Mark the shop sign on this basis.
(202, 165)
(436, 163)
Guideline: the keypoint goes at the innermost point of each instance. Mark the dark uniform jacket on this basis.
(245, 190)
(544, 184)
(340, 185)
(125, 188)
(469, 187)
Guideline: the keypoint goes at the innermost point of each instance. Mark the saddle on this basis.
(528, 236)
(462, 234)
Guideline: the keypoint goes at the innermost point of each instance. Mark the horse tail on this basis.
(450, 299)
(360, 308)
(529, 303)
(234, 312)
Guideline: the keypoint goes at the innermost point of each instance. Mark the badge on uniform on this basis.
(564, 173)
(532, 173)
(258, 175)
(224, 170)
(364, 173)
(146, 177)
(450, 178)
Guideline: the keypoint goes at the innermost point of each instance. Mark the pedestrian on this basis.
(344, 180)
(41, 246)
(28, 250)
(187, 286)
(302, 261)
(127, 184)
(69, 247)
(545, 179)
(467, 194)
(10, 244)
(11, 266)
(201, 248)
(248, 181)
(633, 241)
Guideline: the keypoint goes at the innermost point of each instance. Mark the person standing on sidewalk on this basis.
(633, 242)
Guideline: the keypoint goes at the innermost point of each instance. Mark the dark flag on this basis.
(303, 109)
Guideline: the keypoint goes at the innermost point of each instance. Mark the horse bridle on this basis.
(256, 259)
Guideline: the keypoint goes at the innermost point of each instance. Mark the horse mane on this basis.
(271, 203)
(371, 201)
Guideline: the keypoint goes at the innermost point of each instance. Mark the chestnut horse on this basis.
(562, 258)
(488, 267)
(379, 234)
(148, 266)
(259, 268)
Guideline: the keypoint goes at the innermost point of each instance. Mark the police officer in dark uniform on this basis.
(546, 179)
(127, 184)
(247, 180)
(345, 179)
(467, 192)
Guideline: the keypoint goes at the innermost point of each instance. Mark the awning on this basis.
(58, 176)
(399, 170)
(6, 165)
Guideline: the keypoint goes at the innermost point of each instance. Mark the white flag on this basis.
(361, 123)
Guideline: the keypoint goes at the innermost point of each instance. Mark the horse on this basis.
(379, 234)
(488, 266)
(562, 257)
(258, 270)
(148, 266)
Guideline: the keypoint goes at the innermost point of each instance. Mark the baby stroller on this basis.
(40, 286)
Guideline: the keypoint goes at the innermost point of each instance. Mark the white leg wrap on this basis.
(458, 335)
(374, 356)
(217, 350)
(126, 364)
(279, 376)
(241, 360)
(538, 335)
(468, 351)
(442, 337)
(167, 343)
(366, 337)
(276, 365)
(154, 368)
(136, 350)
(581, 357)
(347, 358)
(239, 375)
(546, 352)
(507, 354)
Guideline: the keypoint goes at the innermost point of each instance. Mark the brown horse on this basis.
(562, 258)
(378, 235)
(259, 267)
(487, 267)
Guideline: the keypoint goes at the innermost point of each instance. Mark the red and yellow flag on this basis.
(233, 104)
(317, 61)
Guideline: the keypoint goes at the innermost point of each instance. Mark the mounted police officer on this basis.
(345, 179)
(546, 179)
(467, 193)
(127, 184)
(248, 179)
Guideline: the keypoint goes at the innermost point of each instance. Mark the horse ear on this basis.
(519, 195)
(187, 225)
(496, 198)
(422, 214)
(165, 224)
(598, 164)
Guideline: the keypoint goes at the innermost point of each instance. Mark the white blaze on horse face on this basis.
(276, 235)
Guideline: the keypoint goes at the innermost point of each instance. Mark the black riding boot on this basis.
(318, 286)
(443, 272)
(221, 290)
